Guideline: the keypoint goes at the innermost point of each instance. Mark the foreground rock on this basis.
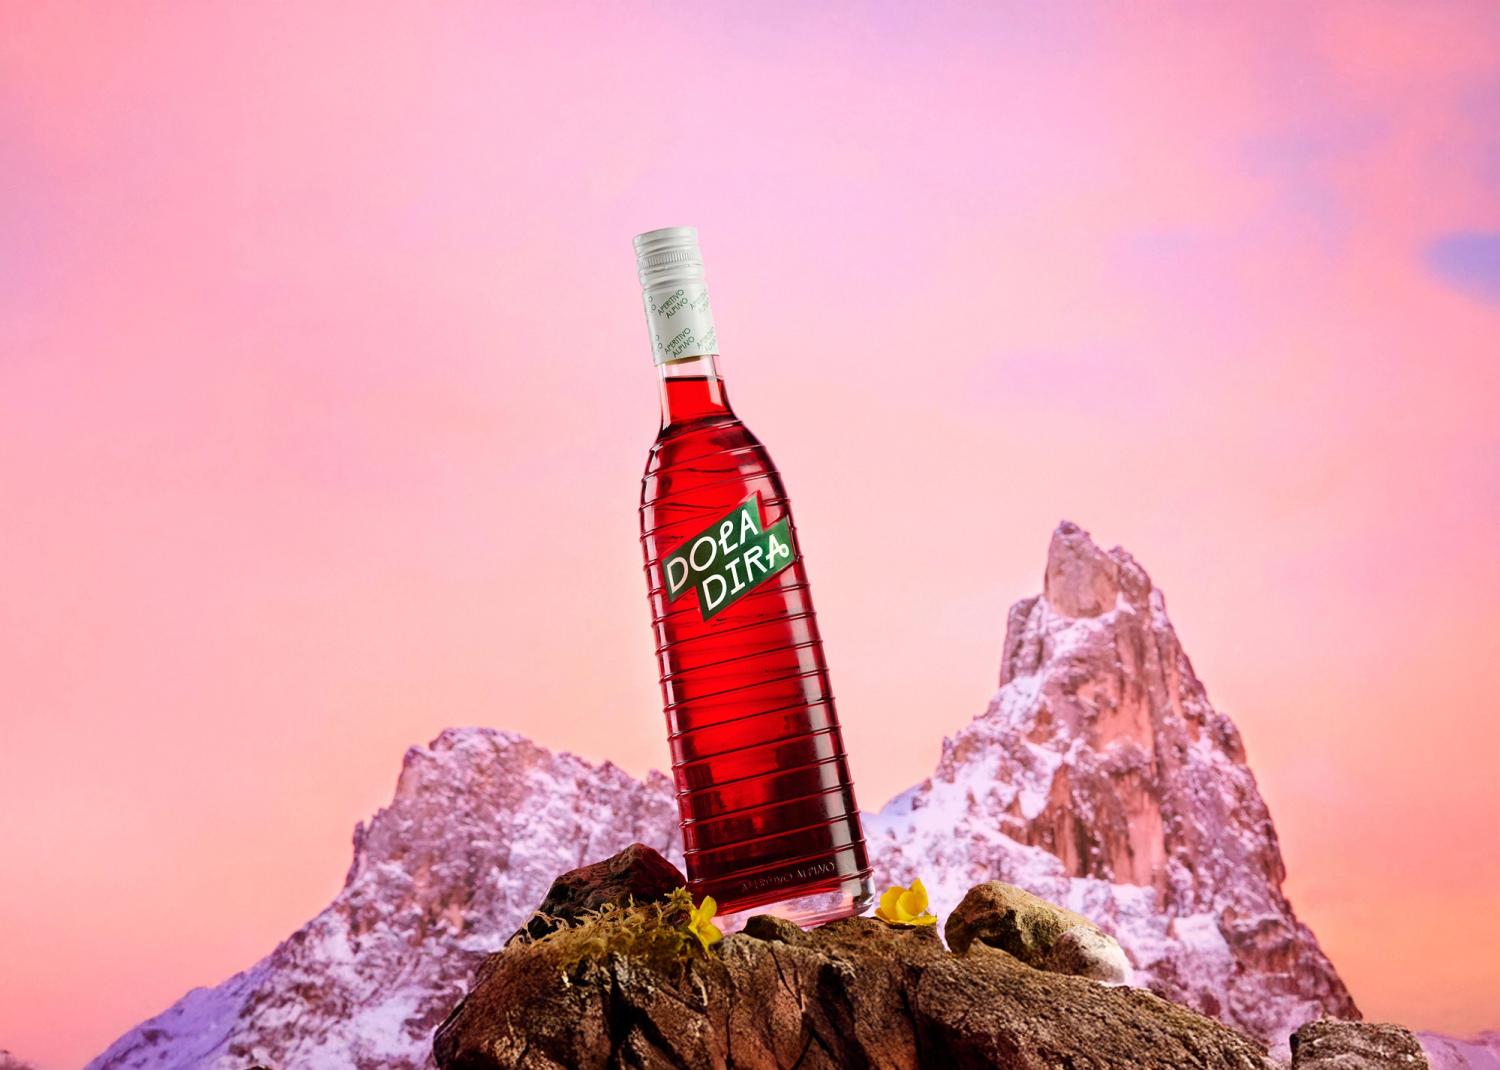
(636, 874)
(1330, 1044)
(1035, 931)
(629, 988)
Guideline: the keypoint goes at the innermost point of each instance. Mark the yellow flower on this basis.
(905, 906)
(701, 923)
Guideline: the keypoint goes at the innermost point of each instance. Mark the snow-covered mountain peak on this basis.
(1101, 775)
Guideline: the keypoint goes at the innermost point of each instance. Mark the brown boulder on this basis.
(1331, 1044)
(636, 874)
(1010, 918)
(1037, 932)
(1085, 951)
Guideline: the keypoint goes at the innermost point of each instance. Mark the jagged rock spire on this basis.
(1102, 750)
(1081, 580)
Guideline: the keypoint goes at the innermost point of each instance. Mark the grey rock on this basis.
(1333, 1044)
(773, 929)
(1037, 932)
(1084, 951)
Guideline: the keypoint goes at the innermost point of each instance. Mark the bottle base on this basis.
(845, 900)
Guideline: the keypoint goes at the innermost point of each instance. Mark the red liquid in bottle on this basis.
(768, 810)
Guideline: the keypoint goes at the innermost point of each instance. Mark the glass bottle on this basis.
(769, 820)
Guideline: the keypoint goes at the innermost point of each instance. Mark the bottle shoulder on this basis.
(719, 462)
(721, 443)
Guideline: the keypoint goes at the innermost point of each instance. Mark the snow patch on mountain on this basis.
(1453, 1053)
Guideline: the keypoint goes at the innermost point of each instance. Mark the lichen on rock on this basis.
(656, 934)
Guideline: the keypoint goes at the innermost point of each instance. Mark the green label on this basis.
(729, 558)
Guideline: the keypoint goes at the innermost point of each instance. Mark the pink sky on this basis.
(324, 396)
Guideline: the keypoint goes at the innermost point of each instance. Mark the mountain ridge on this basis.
(1099, 777)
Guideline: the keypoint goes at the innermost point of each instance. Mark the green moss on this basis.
(655, 934)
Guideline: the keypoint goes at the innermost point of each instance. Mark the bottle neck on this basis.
(680, 323)
(692, 390)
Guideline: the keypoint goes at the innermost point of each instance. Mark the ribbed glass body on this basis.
(769, 817)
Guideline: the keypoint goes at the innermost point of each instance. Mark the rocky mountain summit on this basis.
(1102, 778)
(1099, 778)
